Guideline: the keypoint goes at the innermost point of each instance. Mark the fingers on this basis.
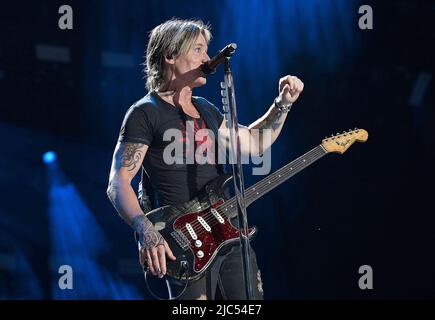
(299, 85)
(142, 256)
(286, 89)
(291, 81)
(150, 262)
(294, 83)
(162, 260)
(169, 251)
(156, 259)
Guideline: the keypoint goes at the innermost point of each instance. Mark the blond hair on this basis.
(171, 39)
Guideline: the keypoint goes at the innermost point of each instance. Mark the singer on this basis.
(176, 63)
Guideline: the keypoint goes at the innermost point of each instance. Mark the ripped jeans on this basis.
(224, 279)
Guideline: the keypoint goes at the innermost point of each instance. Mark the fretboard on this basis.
(265, 185)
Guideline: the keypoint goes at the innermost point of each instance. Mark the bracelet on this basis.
(282, 108)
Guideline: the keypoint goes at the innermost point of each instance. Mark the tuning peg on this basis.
(224, 101)
(222, 85)
(223, 93)
(337, 134)
(355, 128)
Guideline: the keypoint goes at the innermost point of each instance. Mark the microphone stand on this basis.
(229, 105)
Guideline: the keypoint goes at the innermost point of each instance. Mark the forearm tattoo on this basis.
(273, 121)
(131, 155)
(148, 236)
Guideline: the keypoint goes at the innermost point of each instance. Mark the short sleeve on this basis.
(218, 115)
(137, 126)
(211, 109)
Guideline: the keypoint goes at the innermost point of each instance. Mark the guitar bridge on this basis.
(180, 239)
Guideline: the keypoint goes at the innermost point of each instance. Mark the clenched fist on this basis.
(290, 87)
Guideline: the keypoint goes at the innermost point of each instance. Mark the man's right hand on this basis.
(152, 247)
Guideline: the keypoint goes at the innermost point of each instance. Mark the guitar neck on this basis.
(267, 184)
(283, 174)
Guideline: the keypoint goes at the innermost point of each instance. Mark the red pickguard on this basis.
(211, 240)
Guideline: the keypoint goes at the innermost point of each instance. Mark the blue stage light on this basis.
(49, 157)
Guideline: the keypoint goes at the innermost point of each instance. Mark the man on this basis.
(175, 52)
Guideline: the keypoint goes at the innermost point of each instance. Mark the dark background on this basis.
(68, 90)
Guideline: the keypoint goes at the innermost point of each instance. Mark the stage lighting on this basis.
(49, 157)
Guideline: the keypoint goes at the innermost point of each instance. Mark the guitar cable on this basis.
(183, 271)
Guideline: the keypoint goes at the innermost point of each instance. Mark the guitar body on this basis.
(197, 230)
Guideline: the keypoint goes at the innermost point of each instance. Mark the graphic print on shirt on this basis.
(198, 142)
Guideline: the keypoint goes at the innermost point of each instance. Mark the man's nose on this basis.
(206, 58)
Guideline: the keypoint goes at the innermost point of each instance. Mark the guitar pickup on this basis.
(217, 215)
(204, 224)
(191, 231)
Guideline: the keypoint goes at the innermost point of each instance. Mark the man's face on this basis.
(187, 67)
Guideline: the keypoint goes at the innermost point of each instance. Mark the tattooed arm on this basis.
(253, 139)
(127, 160)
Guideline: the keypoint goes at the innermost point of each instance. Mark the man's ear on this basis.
(169, 59)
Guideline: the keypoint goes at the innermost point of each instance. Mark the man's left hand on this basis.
(290, 87)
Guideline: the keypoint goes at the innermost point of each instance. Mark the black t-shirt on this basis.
(146, 122)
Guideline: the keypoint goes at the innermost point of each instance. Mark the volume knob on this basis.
(200, 254)
(198, 243)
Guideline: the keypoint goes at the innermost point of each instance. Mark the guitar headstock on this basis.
(341, 142)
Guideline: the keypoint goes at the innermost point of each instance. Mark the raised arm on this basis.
(252, 137)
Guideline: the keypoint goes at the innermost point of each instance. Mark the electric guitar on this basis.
(197, 230)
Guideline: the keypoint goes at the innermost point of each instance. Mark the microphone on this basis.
(210, 66)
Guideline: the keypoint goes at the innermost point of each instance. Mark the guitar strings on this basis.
(261, 185)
